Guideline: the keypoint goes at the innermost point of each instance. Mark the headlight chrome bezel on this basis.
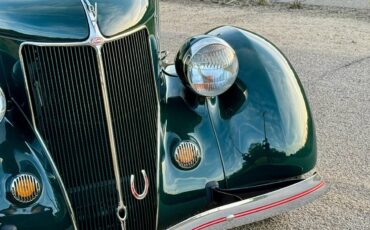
(195, 45)
(2, 104)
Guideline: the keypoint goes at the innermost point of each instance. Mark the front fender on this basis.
(258, 131)
(21, 151)
(263, 122)
(184, 116)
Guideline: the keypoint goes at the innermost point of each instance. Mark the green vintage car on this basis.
(97, 131)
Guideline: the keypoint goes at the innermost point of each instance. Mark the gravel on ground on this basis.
(358, 4)
(330, 49)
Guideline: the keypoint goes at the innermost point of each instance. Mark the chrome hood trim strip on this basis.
(96, 40)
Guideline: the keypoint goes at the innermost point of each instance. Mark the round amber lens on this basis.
(25, 188)
(187, 155)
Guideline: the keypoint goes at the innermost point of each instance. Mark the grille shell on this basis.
(135, 116)
(68, 110)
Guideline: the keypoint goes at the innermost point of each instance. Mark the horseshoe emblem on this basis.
(133, 188)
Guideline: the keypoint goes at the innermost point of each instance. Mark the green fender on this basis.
(184, 116)
(263, 123)
(22, 152)
(259, 131)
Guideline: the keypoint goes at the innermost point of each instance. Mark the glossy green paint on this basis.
(116, 16)
(11, 76)
(65, 21)
(261, 129)
(59, 21)
(22, 152)
(263, 123)
(43, 20)
(20, 149)
(230, 129)
(184, 116)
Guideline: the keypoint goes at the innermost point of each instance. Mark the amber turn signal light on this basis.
(187, 155)
(25, 188)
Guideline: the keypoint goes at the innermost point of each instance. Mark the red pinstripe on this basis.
(262, 208)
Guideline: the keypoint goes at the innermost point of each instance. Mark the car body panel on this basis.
(21, 151)
(263, 123)
(11, 74)
(266, 96)
(184, 116)
(19, 141)
(42, 20)
(260, 130)
(57, 20)
(120, 15)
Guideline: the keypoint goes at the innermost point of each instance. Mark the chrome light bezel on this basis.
(2, 105)
(191, 47)
(196, 155)
(19, 179)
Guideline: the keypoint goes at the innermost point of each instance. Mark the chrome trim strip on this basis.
(53, 166)
(57, 175)
(158, 24)
(112, 142)
(257, 208)
(95, 40)
(48, 155)
(158, 125)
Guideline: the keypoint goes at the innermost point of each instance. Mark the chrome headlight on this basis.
(2, 104)
(208, 65)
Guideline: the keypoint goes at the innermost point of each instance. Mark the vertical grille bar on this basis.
(132, 94)
(67, 99)
(69, 113)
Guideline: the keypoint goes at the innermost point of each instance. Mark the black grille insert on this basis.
(66, 96)
(131, 89)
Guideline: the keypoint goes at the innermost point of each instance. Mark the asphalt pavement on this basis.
(330, 50)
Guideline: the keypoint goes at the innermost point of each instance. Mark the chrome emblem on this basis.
(97, 41)
(93, 10)
(146, 188)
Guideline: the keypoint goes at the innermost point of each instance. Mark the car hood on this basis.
(40, 20)
(115, 16)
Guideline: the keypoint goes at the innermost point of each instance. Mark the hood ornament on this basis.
(96, 39)
(93, 10)
(146, 188)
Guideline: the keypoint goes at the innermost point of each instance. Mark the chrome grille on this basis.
(67, 102)
(131, 89)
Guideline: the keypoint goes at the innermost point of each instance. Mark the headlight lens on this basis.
(208, 65)
(2, 105)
